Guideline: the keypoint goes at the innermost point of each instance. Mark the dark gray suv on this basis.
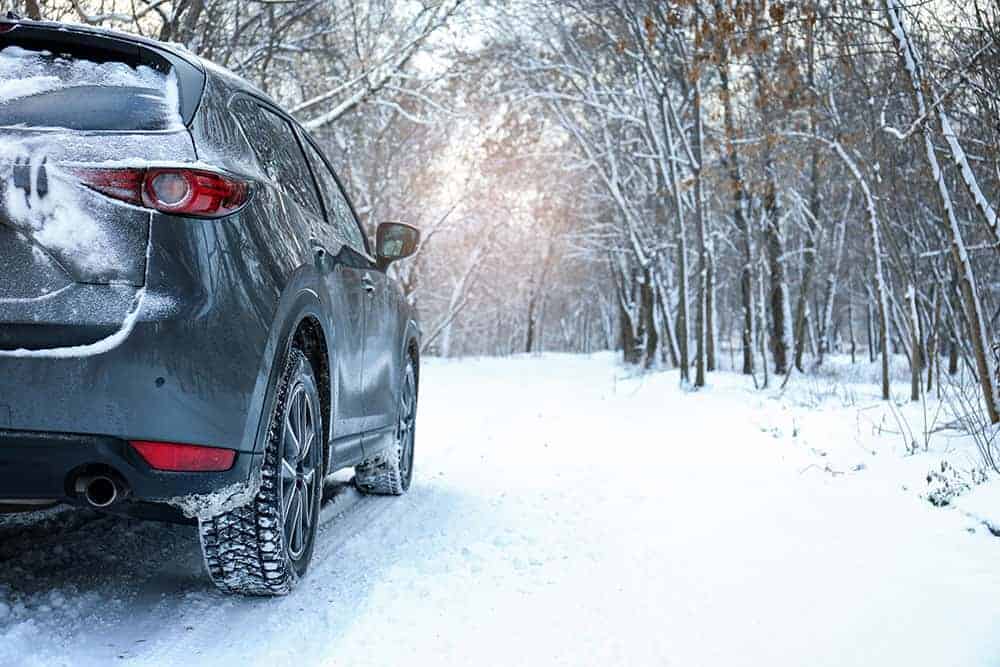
(193, 326)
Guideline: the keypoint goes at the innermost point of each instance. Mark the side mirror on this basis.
(394, 240)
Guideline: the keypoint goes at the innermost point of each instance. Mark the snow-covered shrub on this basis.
(817, 389)
(838, 367)
(966, 404)
(947, 482)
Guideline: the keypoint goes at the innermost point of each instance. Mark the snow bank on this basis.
(982, 503)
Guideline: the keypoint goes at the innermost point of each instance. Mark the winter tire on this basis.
(264, 547)
(391, 472)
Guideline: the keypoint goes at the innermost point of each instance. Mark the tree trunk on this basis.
(670, 346)
(627, 312)
(745, 243)
(648, 318)
(932, 341)
(883, 339)
(710, 326)
(812, 220)
(778, 297)
(628, 342)
(870, 331)
(830, 291)
(682, 290)
(911, 298)
(701, 286)
(874, 230)
(850, 330)
(762, 328)
(32, 10)
(779, 287)
(529, 338)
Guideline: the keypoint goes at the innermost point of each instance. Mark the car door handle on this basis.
(367, 283)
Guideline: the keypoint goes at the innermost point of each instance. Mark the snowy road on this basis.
(560, 514)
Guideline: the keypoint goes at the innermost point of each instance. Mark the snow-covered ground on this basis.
(564, 512)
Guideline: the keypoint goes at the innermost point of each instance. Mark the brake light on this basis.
(190, 192)
(175, 457)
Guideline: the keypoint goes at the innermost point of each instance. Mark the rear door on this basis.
(349, 296)
(381, 349)
(359, 269)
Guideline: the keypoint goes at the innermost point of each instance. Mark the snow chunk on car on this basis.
(40, 89)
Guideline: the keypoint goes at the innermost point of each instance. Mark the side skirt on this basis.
(346, 452)
(354, 449)
(379, 440)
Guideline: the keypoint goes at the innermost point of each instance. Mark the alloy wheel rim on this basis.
(407, 419)
(298, 471)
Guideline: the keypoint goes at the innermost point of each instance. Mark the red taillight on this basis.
(6, 26)
(123, 184)
(189, 192)
(174, 457)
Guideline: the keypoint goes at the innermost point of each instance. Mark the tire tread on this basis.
(244, 547)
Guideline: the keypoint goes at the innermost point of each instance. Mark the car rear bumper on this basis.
(46, 466)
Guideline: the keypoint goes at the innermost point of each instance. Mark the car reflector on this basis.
(175, 457)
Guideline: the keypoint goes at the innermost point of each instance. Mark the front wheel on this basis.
(263, 547)
(390, 473)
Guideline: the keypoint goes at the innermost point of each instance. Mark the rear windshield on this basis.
(39, 89)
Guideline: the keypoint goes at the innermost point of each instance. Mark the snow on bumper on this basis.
(208, 505)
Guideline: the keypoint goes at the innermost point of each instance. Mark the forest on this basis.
(693, 183)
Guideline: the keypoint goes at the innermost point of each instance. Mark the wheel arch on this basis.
(410, 348)
(302, 320)
(310, 337)
(412, 351)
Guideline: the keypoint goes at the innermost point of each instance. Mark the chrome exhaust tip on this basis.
(101, 491)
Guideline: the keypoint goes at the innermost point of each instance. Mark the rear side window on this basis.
(277, 149)
(40, 89)
(336, 203)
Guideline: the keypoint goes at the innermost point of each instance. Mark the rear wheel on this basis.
(263, 547)
(390, 473)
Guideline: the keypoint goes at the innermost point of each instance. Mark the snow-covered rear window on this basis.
(39, 89)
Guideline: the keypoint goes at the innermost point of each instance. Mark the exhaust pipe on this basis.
(101, 491)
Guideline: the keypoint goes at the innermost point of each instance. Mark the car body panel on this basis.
(347, 284)
(382, 369)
